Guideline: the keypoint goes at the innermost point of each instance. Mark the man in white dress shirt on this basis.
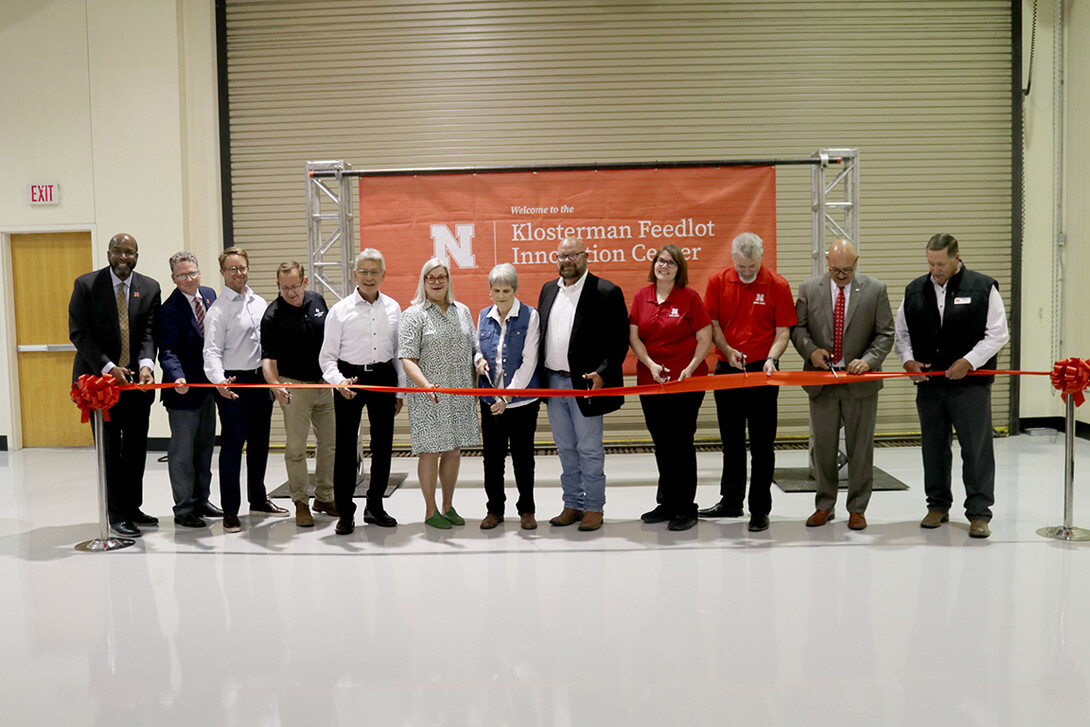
(953, 320)
(232, 355)
(360, 347)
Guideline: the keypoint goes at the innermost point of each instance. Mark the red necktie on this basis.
(838, 327)
(198, 310)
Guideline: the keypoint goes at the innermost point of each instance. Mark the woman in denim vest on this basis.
(507, 338)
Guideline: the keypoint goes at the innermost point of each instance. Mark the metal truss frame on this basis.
(834, 204)
(330, 247)
(330, 222)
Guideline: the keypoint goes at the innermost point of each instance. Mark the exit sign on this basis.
(43, 194)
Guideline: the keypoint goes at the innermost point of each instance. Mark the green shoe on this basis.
(438, 521)
(453, 517)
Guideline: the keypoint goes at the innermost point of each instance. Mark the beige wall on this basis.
(116, 101)
(1053, 323)
(1077, 168)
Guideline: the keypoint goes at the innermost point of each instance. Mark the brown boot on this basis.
(567, 516)
(591, 521)
(303, 518)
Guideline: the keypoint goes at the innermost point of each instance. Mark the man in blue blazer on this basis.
(192, 412)
(111, 322)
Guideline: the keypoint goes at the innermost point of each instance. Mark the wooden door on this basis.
(44, 267)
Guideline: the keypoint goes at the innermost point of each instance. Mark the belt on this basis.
(565, 374)
(369, 367)
(244, 372)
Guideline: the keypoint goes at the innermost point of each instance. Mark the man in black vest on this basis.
(953, 320)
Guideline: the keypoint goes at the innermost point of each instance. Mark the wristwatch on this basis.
(775, 362)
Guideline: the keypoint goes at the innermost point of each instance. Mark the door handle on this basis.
(46, 347)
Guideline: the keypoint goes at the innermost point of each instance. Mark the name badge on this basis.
(963, 301)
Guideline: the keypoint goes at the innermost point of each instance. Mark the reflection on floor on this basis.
(631, 625)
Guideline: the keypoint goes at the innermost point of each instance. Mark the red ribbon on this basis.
(1071, 377)
(94, 392)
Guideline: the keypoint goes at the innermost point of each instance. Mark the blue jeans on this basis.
(579, 444)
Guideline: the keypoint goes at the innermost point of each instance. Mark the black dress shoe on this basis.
(208, 510)
(757, 523)
(268, 508)
(658, 515)
(681, 522)
(378, 517)
(189, 520)
(345, 526)
(142, 518)
(125, 529)
(720, 509)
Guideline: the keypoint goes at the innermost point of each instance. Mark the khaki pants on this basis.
(309, 407)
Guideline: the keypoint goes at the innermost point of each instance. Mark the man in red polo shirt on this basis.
(752, 312)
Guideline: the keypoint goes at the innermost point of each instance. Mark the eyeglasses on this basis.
(429, 279)
(125, 253)
(291, 288)
(569, 256)
(188, 276)
(667, 262)
(237, 269)
(368, 273)
(842, 271)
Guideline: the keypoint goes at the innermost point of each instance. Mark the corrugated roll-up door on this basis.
(922, 89)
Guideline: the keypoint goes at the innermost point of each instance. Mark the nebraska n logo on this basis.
(460, 248)
(760, 299)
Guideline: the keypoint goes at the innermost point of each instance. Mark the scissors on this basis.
(745, 373)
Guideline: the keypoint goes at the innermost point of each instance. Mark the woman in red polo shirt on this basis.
(670, 332)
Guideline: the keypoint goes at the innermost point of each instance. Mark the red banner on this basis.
(477, 221)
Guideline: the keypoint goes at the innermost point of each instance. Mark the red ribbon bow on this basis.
(94, 392)
(1071, 377)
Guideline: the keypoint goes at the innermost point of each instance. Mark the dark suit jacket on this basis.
(93, 326)
(181, 348)
(599, 339)
(868, 326)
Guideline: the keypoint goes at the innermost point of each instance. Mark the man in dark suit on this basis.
(111, 322)
(844, 324)
(584, 339)
(192, 413)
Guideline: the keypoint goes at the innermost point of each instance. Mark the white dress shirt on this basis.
(561, 321)
(128, 295)
(521, 378)
(232, 334)
(996, 334)
(361, 333)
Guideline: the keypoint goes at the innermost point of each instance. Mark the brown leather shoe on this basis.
(490, 521)
(268, 508)
(979, 529)
(819, 518)
(934, 518)
(231, 524)
(303, 518)
(567, 516)
(327, 507)
(591, 521)
(529, 522)
(856, 521)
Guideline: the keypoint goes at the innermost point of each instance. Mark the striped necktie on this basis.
(198, 310)
(123, 323)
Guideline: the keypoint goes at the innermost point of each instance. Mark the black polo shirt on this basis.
(293, 336)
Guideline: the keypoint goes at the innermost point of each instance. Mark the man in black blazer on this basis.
(192, 412)
(584, 340)
(109, 343)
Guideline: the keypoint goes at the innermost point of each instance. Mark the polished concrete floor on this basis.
(631, 625)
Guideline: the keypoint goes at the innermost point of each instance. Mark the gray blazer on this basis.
(868, 326)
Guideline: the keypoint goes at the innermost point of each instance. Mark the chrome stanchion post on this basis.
(104, 541)
(1067, 531)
